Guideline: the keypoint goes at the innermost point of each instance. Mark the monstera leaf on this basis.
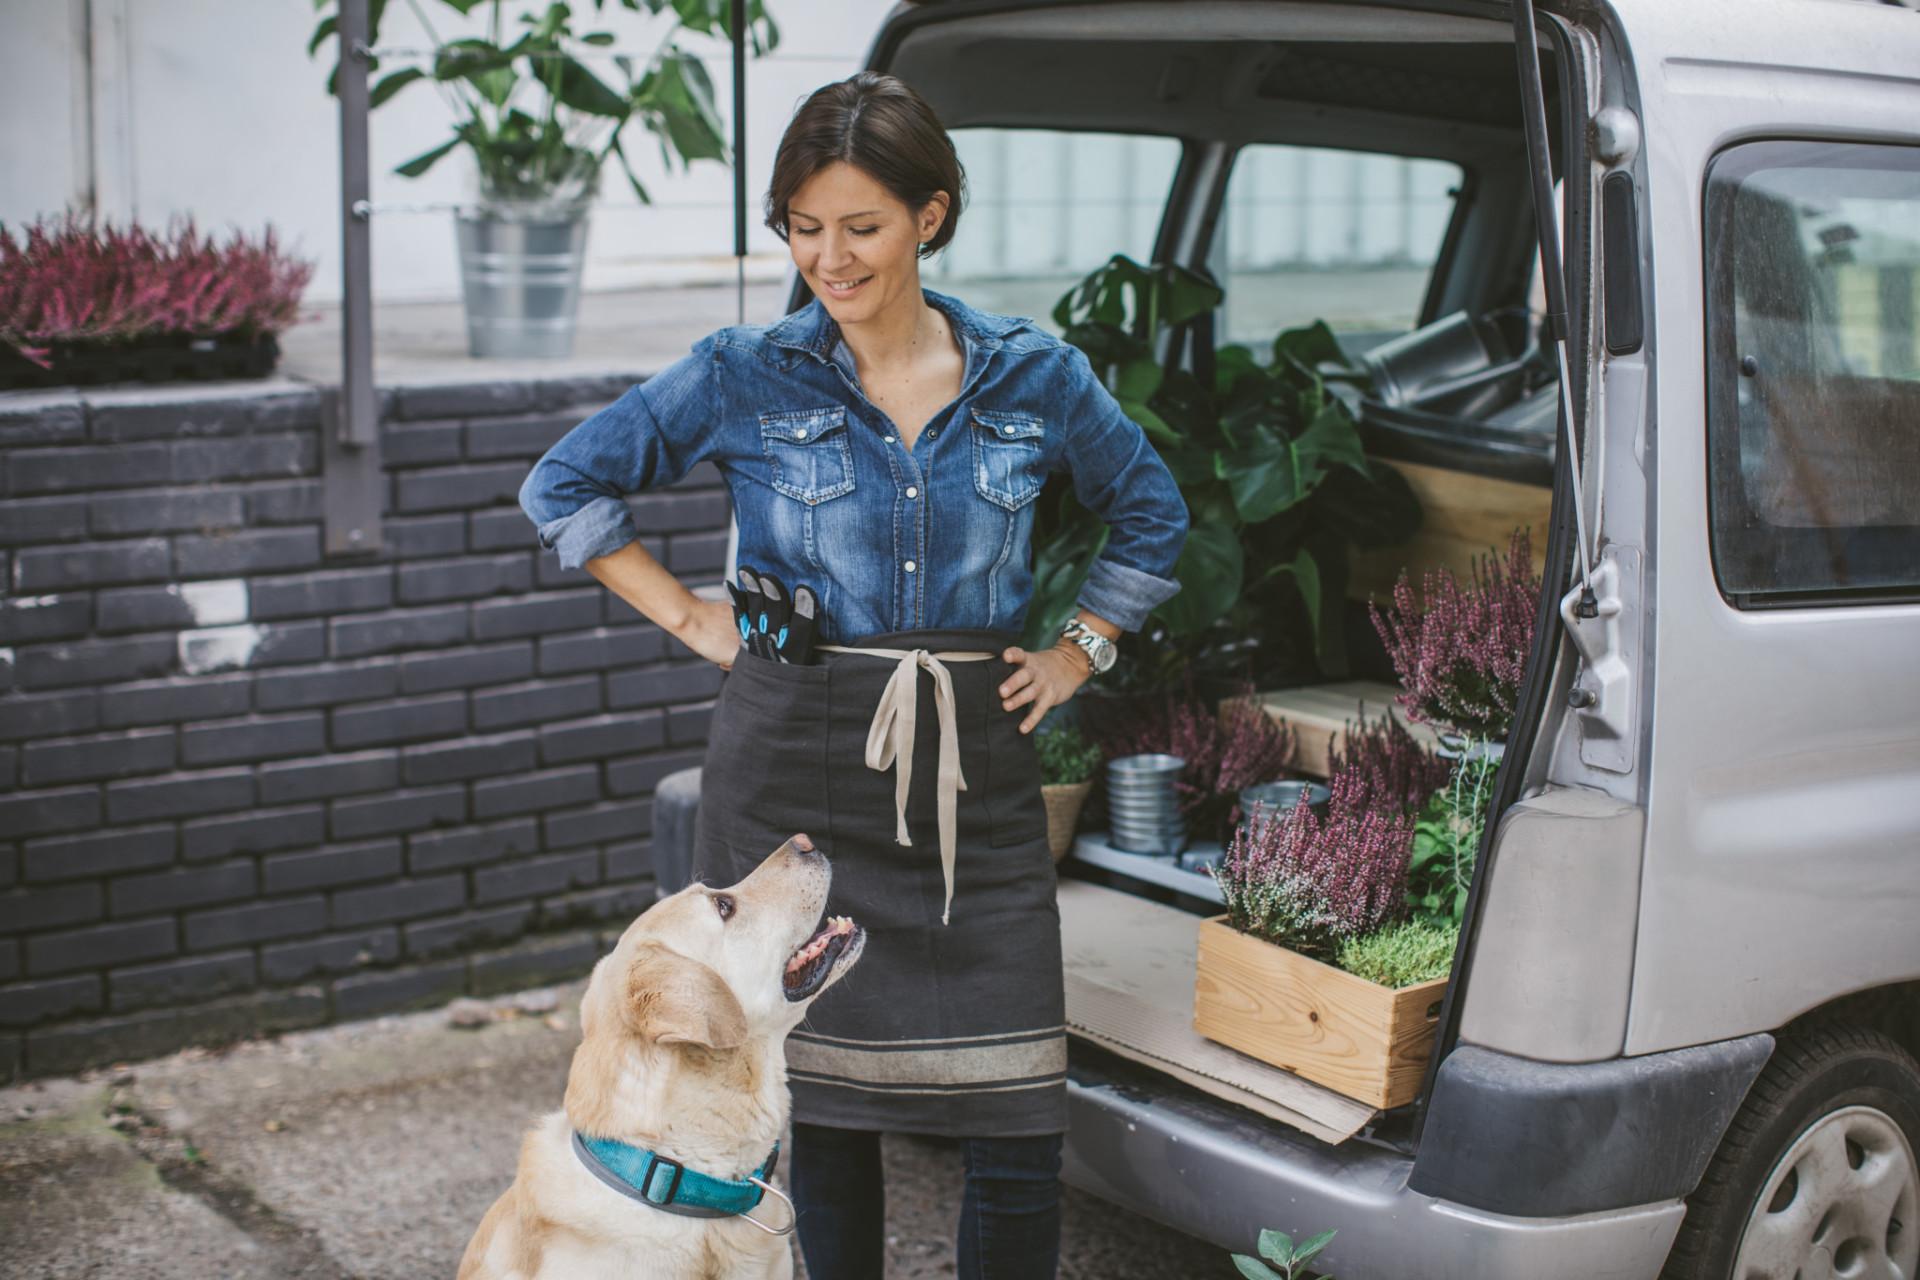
(1267, 456)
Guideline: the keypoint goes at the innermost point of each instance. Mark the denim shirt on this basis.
(891, 538)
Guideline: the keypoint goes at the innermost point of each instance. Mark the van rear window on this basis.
(1813, 374)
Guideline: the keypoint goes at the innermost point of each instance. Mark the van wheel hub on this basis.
(1844, 1201)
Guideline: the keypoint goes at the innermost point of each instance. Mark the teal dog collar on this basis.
(654, 1179)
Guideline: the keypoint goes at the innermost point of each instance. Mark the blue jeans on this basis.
(1009, 1212)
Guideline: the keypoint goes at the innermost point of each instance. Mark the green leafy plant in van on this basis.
(1446, 841)
(1269, 460)
(1278, 1248)
(1066, 755)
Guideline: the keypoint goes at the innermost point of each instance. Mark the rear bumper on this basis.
(1221, 1173)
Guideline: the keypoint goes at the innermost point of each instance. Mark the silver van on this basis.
(1680, 1033)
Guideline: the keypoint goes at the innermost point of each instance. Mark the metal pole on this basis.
(740, 158)
(354, 488)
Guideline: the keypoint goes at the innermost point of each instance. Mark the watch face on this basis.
(1105, 657)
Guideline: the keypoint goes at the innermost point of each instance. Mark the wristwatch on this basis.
(1101, 651)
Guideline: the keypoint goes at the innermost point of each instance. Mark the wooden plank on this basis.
(1463, 516)
(1320, 713)
(1361, 1039)
(1130, 985)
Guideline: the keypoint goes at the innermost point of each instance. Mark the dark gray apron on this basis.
(955, 1028)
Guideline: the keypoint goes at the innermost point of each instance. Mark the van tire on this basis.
(1814, 1071)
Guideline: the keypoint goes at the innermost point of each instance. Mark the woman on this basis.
(885, 446)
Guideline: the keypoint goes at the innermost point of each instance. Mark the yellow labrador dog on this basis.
(656, 1165)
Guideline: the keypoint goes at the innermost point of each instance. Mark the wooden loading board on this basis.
(1134, 998)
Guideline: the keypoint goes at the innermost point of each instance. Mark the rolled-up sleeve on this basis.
(1119, 476)
(576, 494)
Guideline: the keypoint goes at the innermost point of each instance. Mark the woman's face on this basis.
(845, 228)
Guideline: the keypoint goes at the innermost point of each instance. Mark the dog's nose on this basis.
(803, 844)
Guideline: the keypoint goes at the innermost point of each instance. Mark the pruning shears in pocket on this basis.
(775, 623)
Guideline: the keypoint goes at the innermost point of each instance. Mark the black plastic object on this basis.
(739, 612)
(1544, 1139)
(158, 358)
(803, 626)
(756, 608)
(776, 608)
(1620, 229)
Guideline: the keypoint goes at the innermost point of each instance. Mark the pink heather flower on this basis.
(1461, 654)
(1380, 765)
(72, 282)
(1306, 883)
(1235, 747)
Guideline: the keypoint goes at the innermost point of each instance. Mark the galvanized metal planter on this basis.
(520, 264)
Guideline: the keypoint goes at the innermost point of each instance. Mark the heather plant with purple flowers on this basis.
(71, 282)
(1461, 652)
(1234, 747)
(1379, 764)
(1307, 883)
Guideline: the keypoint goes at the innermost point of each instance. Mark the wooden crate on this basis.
(1358, 1038)
(1319, 714)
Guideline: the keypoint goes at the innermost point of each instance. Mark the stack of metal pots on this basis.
(1143, 806)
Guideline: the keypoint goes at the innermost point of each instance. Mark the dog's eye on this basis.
(723, 904)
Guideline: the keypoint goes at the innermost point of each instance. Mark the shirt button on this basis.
(1007, 429)
(889, 439)
(799, 433)
(912, 492)
(909, 566)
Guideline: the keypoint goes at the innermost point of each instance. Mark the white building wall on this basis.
(213, 108)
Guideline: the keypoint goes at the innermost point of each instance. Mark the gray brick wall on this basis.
(245, 787)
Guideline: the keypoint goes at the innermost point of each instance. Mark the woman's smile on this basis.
(847, 288)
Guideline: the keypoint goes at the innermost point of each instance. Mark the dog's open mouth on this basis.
(815, 961)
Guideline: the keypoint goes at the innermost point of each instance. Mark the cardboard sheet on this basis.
(1129, 980)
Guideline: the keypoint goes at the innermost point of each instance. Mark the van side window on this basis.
(1313, 233)
(1047, 206)
(1813, 372)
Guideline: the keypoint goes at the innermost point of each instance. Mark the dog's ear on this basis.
(673, 999)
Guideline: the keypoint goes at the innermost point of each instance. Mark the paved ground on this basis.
(372, 1150)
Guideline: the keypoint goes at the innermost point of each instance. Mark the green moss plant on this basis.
(1402, 954)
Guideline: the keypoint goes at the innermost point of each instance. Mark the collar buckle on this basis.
(649, 1186)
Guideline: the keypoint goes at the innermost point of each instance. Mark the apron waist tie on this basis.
(890, 740)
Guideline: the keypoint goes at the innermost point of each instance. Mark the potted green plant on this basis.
(1270, 462)
(1069, 763)
(540, 125)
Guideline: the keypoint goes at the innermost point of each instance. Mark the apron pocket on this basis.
(765, 775)
(1016, 811)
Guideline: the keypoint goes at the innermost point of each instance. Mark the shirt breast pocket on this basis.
(1009, 456)
(811, 452)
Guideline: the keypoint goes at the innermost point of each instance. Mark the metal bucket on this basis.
(520, 273)
(1142, 808)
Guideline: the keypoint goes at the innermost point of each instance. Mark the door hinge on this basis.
(1604, 695)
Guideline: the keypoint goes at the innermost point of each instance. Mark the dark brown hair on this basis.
(874, 122)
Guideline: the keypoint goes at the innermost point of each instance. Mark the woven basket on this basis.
(1063, 801)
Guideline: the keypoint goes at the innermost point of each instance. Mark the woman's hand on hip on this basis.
(1045, 679)
(711, 632)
